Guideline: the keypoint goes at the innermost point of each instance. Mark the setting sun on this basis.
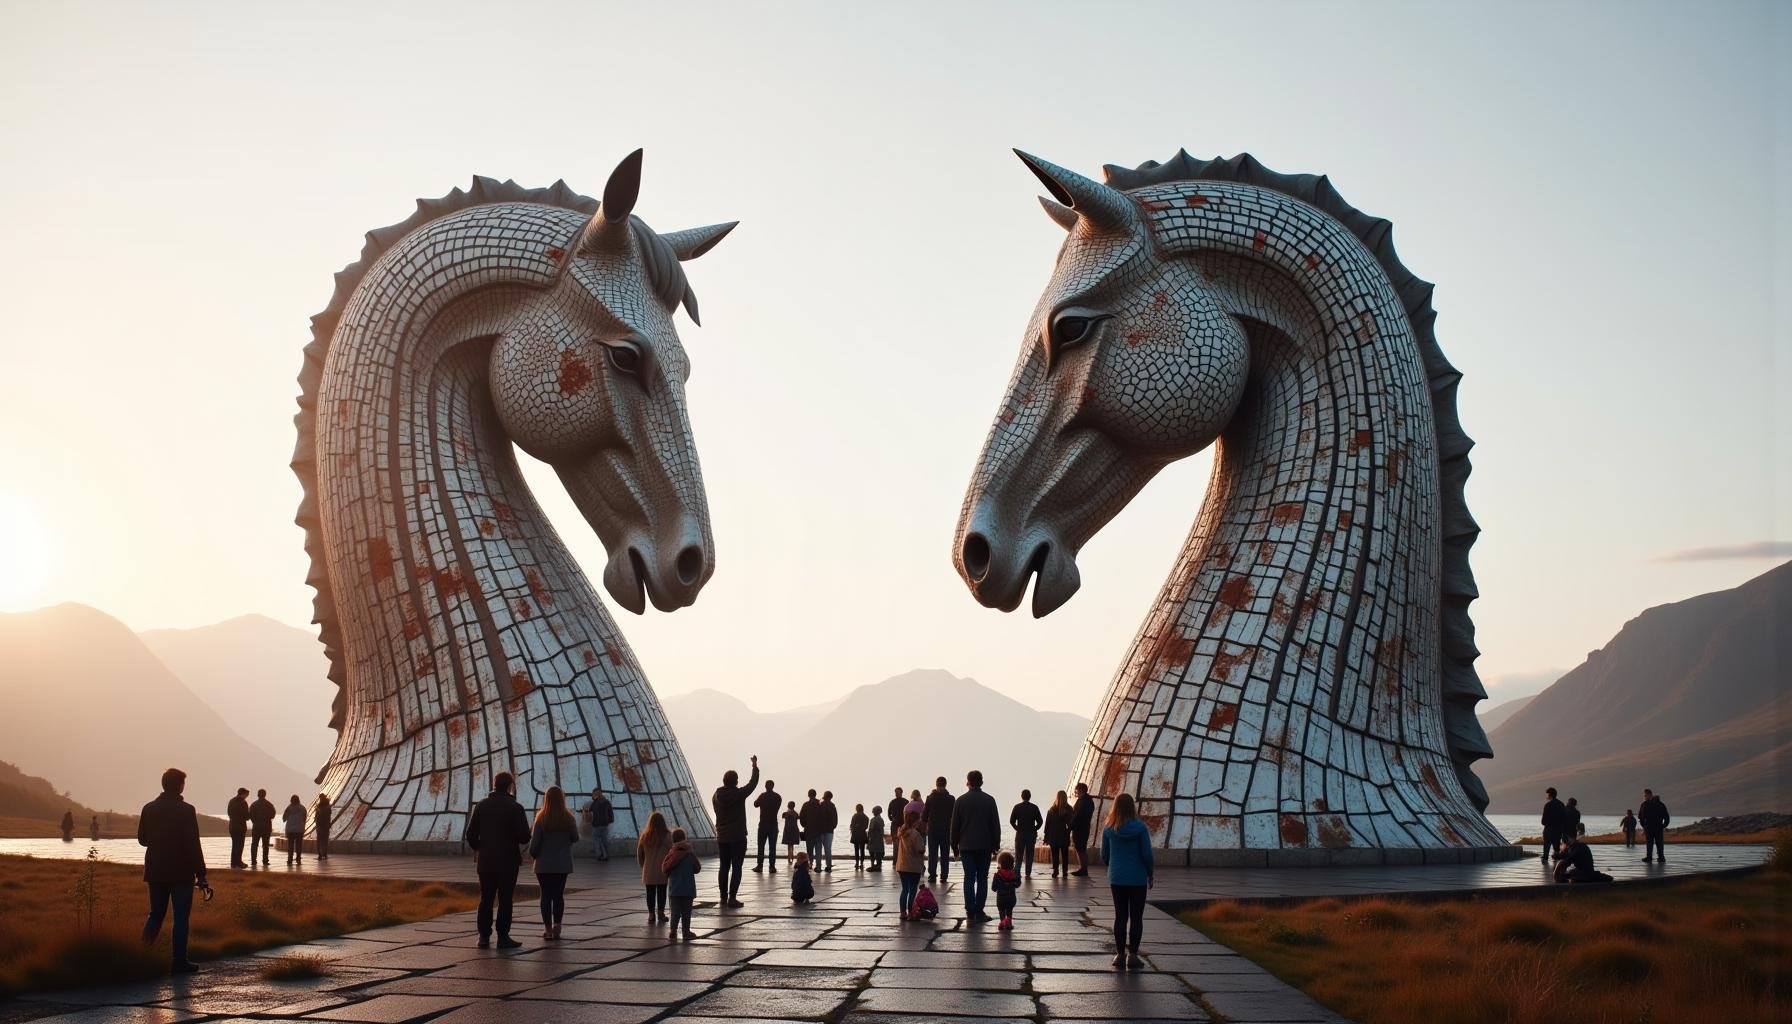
(24, 554)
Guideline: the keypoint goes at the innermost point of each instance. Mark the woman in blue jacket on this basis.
(1126, 849)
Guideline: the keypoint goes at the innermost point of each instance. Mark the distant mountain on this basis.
(904, 730)
(30, 799)
(1496, 716)
(90, 706)
(269, 680)
(1691, 699)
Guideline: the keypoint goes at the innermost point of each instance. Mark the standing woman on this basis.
(1057, 833)
(911, 859)
(550, 845)
(294, 818)
(1126, 849)
(650, 853)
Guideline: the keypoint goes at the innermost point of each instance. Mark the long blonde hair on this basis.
(654, 833)
(1123, 811)
(553, 813)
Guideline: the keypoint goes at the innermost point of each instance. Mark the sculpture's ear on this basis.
(609, 227)
(1063, 215)
(694, 242)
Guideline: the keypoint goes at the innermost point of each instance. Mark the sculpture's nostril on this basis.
(689, 564)
(975, 556)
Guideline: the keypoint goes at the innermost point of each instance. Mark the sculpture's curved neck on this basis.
(1295, 645)
(474, 643)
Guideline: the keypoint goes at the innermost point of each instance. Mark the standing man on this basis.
(238, 813)
(173, 864)
(496, 832)
(1654, 816)
(769, 804)
(1082, 817)
(830, 820)
(976, 836)
(321, 816)
(1025, 819)
(730, 804)
(936, 818)
(261, 827)
(1555, 815)
(897, 805)
(810, 817)
(600, 815)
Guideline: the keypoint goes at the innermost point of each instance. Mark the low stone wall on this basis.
(1310, 858)
(621, 847)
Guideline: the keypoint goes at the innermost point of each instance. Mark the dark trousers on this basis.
(766, 847)
(1129, 916)
(681, 913)
(237, 839)
(553, 897)
(939, 855)
(656, 900)
(858, 853)
(263, 841)
(323, 843)
(160, 896)
(295, 847)
(1653, 842)
(812, 844)
(496, 886)
(733, 857)
(976, 880)
(911, 884)
(1080, 839)
(1552, 838)
(1060, 852)
(877, 855)
(1024, 844)
(1630, 837)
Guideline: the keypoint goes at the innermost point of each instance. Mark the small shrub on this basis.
(1520, 926)
(1225, 912)
(1625, 926)
(252, 913)
(296, 968)
(384, 913)
(1610, 960)
(434, 891)
(1282, 934)
(1729, 919)
(1379, 915)
(78, 961)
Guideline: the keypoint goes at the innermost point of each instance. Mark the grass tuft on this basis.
(1523, 926)
(1610, 960)
(300, 967)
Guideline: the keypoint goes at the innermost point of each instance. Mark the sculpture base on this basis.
(621, 847)
(1354, 857)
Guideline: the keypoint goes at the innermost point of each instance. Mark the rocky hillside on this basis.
(1690, 699)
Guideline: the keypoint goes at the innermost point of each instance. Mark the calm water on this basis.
(1518, 826)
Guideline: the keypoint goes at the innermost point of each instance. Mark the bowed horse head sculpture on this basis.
(463, 637)
(1304, 684)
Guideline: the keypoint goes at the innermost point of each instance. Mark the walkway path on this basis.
(845, 958)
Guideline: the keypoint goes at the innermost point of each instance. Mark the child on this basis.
(793, 834)
(926, 907)
(911, 860)
(875, 836)
(801, 889)
(1007, 880)
(681, 866)
(859, 825)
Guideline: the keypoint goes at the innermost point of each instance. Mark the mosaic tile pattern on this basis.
(463, 637)
(1303, 689)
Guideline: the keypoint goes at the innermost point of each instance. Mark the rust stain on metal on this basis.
(1224, 716)
(379, 558)
(1333, 833)
(1294, 830)
(1237, 592)
(575, 374)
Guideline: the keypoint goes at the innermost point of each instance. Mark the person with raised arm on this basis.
(730, 805)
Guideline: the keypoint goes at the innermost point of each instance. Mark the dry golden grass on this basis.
(48, 938)
(1716, 949)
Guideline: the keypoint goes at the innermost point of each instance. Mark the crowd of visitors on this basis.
(1564, 836)
(253, 823)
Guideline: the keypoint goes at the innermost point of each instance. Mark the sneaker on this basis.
(1134, 963)
(1648, 860)
(1119, 959)
(184, 967)
(736, 904)
(671, 933)
(1081, 873)
(904, 915)
(689, 935)
(1005, 925)
(665, 917)
(485, 943)
(508, 943)
(757, 869)
(547, 933)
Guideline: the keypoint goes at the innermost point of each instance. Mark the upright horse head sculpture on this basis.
(463, 637)
(1303, 690)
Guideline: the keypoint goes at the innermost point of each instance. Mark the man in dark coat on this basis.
(600, 814)
(321, 817)
(261, 827)
(1555, 815)
(730, 804)
(769, 804)
(810, 818)
(976, 836)
(1025, 819)
(830, 820)
(237, 810)
(1653, 814)
(1082, 818)
(898, 804)
(496, 832)
(936, 820)
(173, 863)
(1575, 864)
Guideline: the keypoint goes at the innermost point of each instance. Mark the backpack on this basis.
(925, 904)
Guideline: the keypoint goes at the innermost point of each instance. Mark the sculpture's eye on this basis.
(1071, 329)
(625, 358)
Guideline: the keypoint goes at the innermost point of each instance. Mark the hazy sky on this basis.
(1600, 192)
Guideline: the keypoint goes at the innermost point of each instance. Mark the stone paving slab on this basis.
(845, 959)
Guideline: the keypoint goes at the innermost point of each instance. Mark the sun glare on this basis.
(24, 554)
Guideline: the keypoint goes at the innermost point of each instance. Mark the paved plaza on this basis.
(845, 958)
